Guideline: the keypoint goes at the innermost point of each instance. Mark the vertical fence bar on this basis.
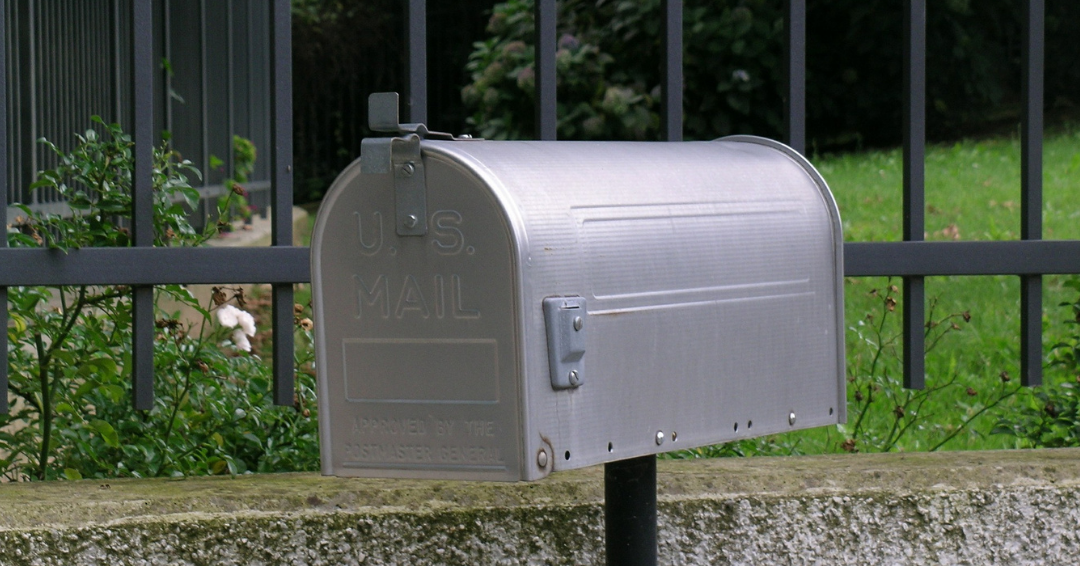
(672, 69)
(166, 32)
(3, 191)
(204, 93)
(914, 184)
(206, 205)
(32, 96)
(231, 85)
(142, 216)
(546, 119)
(1031, 145)
(13, 194)
(416, 61)
(795, 74)
(281, 128)
(115, 67)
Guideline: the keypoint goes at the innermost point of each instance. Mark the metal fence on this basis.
(282, 265)
(70, 60)
(913, 259)
(117, 47)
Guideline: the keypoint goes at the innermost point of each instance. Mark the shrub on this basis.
(1051, 416)
(69, 347)
(608, 73)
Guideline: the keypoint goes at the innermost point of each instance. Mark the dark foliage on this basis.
(609, 72)
(343, 50)
(609, 57)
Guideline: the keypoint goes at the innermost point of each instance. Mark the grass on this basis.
(972, 193)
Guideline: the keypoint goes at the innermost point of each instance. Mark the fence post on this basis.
(416, 58)
(1031, 131)
(142, 198)
(281, 183)
(795, 74)
(914, 198)
(4, 191)
(546, 119)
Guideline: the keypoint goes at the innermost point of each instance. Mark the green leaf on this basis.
(115, 393)
(107, 432)
(101, 368)
(218, 467)
(72, 474)
(84, 388)
(18, 322)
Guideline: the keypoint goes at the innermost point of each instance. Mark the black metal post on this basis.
(671, 117)
(3, 191)
(795, 74)
(1031, 132)
(914, 197)
(142, 214)
(416, 61)
(546, 119)
(281, 179)
(630, 511)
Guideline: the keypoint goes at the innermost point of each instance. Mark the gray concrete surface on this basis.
(1013, 507)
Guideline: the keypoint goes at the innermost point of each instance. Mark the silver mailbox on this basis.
(501, 310)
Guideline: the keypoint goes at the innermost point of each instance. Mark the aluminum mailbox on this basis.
(498, 310)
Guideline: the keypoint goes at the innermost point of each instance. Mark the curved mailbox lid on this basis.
(711, 273)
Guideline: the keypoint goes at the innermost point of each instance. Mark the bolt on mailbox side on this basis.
(707, 276)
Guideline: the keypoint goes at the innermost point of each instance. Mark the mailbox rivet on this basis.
(791, 418)
(408, 169)
(659, 437)
(574, 377)
(542, 458)
(578, 323)
(411, 220)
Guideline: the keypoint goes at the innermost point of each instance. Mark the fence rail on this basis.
(282, 265)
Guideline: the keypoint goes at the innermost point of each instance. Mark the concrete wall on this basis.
(1017, 507)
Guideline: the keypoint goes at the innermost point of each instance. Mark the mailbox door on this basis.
(416, 335)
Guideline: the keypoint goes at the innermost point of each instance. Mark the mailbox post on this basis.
(501, 310)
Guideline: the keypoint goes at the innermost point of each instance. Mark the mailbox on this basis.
(498, 310)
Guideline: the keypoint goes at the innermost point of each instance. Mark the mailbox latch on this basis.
(401, 157)
(410, 186)
(565, 319)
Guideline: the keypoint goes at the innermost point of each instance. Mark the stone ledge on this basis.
(1008, 507)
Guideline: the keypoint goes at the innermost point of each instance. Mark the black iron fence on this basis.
(69, 60)
(133, 39)
(143, 266)
(913, 259)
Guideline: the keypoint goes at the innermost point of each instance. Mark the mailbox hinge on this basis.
(565, 318)
(401, 157)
